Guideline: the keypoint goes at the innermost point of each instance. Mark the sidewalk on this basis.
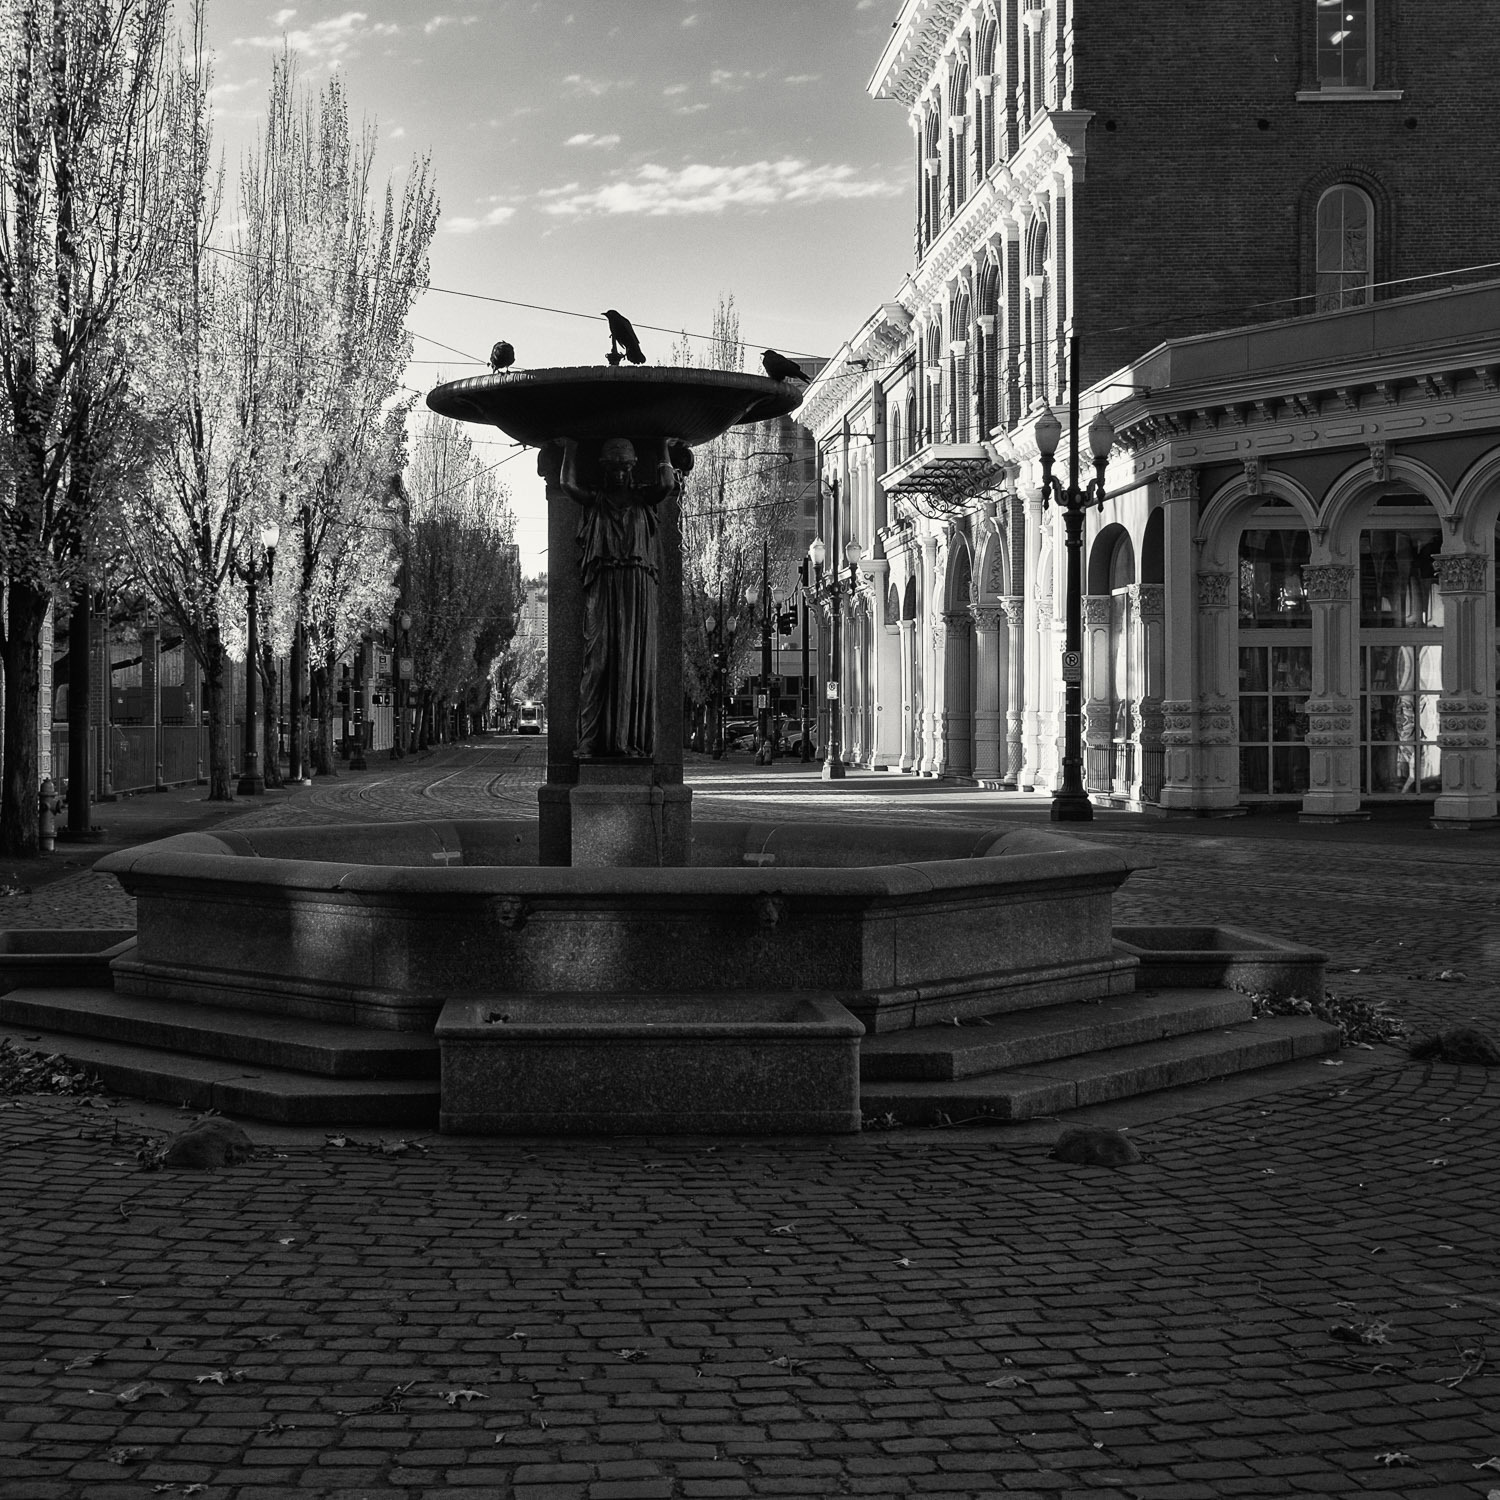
(1294, 1293)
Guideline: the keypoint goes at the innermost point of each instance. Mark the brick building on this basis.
(1134, 176)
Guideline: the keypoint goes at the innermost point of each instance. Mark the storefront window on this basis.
(1398, 580)
(1274, 685)
(1398, 707)
(1271, 593)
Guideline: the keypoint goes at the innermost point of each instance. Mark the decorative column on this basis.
(885, 645)
(989, 716)
(1466, 710)
(1179, 491)
(958, 723)
(908, 757)
(1014, 606)
(1216, 770)
(1333, 707)
(1098, 710)
(931, 639)
(1035, 678)
(1147, 721)
(1048, 761)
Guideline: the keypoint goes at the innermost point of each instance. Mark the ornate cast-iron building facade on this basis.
(1289, 592)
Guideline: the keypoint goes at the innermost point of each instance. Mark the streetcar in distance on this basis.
(529, 718)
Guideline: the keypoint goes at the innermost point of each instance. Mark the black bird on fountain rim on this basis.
(622, 336)
(502, 357)
(779, 367)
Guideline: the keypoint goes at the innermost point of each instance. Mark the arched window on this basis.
(893, 436)
(1345, 233)
(1037, 343)
(958, 139)
(984, 103)
(911, 421)
(932, 166)
(960, 395)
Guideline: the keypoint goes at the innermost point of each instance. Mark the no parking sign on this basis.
(1072, 666)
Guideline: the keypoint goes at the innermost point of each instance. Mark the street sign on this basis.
(1072, 664)
(762, 701)
(405, 665)
(833, 690)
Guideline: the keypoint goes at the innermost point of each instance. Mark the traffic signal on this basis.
(786, 621)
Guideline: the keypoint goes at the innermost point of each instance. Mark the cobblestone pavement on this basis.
(1292, 1294)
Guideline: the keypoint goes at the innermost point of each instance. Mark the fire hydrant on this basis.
(49, 804)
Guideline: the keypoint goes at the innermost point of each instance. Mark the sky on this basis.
(646, 155)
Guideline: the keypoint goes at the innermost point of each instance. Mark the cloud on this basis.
(675, 88)
(734, 80)
(802, 78)
(585, 138)
(501, 213)
(691, 20)
(688, 109)
(398, 132)
(324, 42)
(438, 22)
(658, 191)
(595, 86)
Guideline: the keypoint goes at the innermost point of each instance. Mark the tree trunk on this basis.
(26, 609)
(298, 747)
(80, 716)
(270, 747)
(322, 721)
(215, 664)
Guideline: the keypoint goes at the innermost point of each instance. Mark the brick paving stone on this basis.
(1177, 1313)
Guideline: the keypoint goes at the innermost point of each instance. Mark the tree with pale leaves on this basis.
(88, 168)
(352, 262)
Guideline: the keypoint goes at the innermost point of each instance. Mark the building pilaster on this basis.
(1466, 710)
(1333, 706)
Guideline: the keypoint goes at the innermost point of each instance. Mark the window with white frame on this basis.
(1345, 232)
(1345, 41)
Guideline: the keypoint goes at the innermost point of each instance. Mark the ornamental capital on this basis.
(1329, 582)
(1179, 484)
(1461, 572)
(1213, 590)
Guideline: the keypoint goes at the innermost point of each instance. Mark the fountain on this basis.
(614, 966)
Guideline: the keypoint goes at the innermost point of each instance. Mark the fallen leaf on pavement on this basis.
(133, 1393)
(1394, 1458)
(466, 1396)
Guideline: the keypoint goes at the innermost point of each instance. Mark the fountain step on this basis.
(239, 1036)
(1068, 1083)
(277, 1095)
(969, 1046)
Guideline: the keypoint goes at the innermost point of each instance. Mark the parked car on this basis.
(739, 734)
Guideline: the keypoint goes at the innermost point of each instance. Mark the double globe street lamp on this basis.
(1070, 802)
(833, 765)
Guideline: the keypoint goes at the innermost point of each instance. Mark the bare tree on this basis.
(735, 503)
(87, 162)
(463, 569)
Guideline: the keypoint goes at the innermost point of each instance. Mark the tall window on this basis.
(1345, 225)
(1037, 344)
(1275, 661)
(1343, 43)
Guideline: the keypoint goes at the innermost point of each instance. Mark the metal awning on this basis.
(942, 476)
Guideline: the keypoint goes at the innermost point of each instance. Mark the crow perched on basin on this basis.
(502, 356)
(779, 367)
(622, 336)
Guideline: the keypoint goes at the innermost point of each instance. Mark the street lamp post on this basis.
(806, 754)
(1070, 802)
(252, 783)
(760, 594)
(833, 765)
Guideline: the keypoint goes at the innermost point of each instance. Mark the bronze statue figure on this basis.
(619, 563)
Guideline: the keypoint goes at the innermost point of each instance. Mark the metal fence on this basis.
(137, 757)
